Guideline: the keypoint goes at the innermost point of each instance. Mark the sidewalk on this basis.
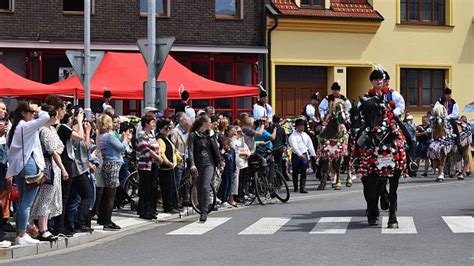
(126, 219)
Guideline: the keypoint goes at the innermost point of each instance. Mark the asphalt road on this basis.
(295, 233)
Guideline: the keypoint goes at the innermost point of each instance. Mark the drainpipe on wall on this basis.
(276, 16)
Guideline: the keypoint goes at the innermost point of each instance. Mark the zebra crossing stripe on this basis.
(460, 224)
(331, 225)
(199, 228)
(265, 226)
(130, 222)
(406, 225)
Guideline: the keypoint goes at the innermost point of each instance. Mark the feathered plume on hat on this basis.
(263, 92)
(447, 86)
(377, 73)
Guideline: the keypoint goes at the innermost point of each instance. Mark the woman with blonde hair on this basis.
(111, 149)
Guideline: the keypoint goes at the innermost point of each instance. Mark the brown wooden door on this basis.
(291, 98)
(295, 85)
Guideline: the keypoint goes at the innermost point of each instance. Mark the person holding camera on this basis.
(74, 132)
(25, 158)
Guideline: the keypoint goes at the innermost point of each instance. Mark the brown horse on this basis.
(443, 140)
(332, 145)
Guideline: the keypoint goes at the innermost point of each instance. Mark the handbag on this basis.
(31, 179)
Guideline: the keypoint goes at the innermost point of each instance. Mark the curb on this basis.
(17, 252)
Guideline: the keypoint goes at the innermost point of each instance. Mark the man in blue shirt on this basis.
(266, 136)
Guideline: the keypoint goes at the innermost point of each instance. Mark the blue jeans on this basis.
(27, 196)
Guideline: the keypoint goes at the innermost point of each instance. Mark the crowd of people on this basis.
(60, 171)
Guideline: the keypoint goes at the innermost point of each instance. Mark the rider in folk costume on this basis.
(261, 109)
(381, 146)
(453, 111)
(311, 111)
(449, 103)
(336, 94)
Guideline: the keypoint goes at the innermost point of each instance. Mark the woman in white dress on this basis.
(48, 202)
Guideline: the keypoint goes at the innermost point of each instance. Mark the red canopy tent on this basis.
(124, 73)
(13, 85)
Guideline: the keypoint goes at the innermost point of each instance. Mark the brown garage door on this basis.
(295, 85)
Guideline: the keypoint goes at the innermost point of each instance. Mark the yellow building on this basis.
(421, 43)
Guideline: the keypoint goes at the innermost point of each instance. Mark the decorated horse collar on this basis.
(384, 90)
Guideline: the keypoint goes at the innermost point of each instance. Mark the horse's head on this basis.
(337, 110)
(438, 119)
(372, 110)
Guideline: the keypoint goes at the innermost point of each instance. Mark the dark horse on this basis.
(380, 153)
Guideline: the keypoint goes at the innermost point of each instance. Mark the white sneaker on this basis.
(226, 205)
(5, 244)
(26, 240)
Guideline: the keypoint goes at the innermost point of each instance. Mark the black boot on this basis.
(392, 217)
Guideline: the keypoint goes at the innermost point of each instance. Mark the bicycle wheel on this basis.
(261, 188)
(195, 201)
(280, 188)
(131, 189)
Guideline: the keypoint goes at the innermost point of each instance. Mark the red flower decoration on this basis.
(372, 160)
(332, 143)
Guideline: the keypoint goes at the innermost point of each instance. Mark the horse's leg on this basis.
(336, 167)
(392, 196)
(466, 150)
(324, 172)
(441, 163)
(371, 195)
(332, 167)
(349, 172)
(383, 192)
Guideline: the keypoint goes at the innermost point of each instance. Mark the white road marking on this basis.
(265, 226)
(460, 224)
(199, 228)
(406, 225)
(331, 225)
(130, 222)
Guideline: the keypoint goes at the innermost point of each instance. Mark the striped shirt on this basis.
(146, 144)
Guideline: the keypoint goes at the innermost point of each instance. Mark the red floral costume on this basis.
(383, 159)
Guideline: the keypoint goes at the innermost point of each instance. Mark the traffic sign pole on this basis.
(87, 58)
(150, 94)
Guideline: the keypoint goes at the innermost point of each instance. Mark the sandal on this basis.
(50, 238)
(233, 204)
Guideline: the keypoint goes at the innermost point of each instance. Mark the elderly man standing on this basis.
(179, 138)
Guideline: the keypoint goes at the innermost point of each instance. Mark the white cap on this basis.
(410, 117)
(150, 109)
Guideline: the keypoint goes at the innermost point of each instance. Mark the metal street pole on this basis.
(150, 91)
(87, 58)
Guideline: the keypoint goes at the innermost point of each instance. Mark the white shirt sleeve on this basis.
(294, 144)
(258, 112)
(348, 106)
(399, 103)
(269, 110)
(323, 106)
(309, 144)
(310, 111)
(455, 112)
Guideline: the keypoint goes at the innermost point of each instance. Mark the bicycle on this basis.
(259, 166)
(189, 181)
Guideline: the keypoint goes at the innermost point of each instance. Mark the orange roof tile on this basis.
(345, 9)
